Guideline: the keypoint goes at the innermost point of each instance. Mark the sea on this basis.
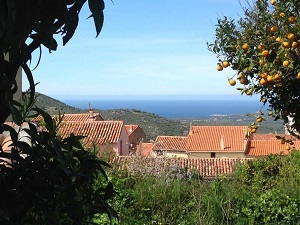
(178, 108)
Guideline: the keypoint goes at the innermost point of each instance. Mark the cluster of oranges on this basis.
(265, 53)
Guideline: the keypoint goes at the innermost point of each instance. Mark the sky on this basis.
(148, 48)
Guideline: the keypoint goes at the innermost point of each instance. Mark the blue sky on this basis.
(155, 47)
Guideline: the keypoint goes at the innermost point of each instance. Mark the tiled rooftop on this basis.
(145, 149)
(217, 138)
(131, 128)
(82, 117)
(271, 136)
(170, 143)
(208, 167)
(263, 147)
(96, 132)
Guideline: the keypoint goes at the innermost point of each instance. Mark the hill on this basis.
(155, 125)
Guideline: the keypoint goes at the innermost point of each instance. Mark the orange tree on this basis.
(263, 47)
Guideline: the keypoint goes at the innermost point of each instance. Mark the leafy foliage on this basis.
(29, 24)
(51, 180)
(263, 49)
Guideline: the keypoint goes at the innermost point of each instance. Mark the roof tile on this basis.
(170, 143)
(217, 138)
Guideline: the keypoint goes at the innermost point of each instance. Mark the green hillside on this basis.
(154, 125)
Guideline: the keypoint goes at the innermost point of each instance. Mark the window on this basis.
(212, 155)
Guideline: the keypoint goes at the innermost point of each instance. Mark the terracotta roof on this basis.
(81, 117)
(208, 167)
(73, 117)
(96, 132)
(271, 136)
(131, 128)
(217, 138)
(170, 143)
(263, 147)
(145, 149)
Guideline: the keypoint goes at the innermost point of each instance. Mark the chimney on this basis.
(222, 145)
(91, 114)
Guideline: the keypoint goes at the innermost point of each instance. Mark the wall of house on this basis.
(124, 141)
(218, 154)
(175, 154)
(136, 137)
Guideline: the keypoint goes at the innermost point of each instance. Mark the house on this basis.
(136, 136)
(76, 117)
(104, 135)
(218, 141)
(170, 146)
(144, 149)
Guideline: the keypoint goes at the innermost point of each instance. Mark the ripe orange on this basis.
(285, 44)
(249, 92)
(244, 81)
(291, 36)
(225, 64)
(281, 14)
(241, 75)
(263, 81)
(232, 82)
(265, 53)
(298, 75)
(288, 147)
(264, 75)
(260, 47)
(285, 63)
(245, 47)
(263, 100)
(277, 77)
(274, 29)
(273, 2)
(253, 130)
(294, 44)
(278, 39)
(269, 78)
(259, 119)
(292, 19)
(219, 67)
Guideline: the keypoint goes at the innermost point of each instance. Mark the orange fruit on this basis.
(273, 2)
(225, 64)
(264, 75)
(219, 67)
(249, 92)
(298, 75)
(263, 81)
(259, 119)
(245, 47)
(285, 63)
(269, 78)
(292, 19)
(265, 53)
(288, 147)
(277, 77)
(263, 100)
(285, 44)
(274, 29)
(243, 80)
(291, 36)
(281, 14)
(294, 44)
(253, 130)
(260, 47)
(241, 75)
(278, 39)
(232, 82)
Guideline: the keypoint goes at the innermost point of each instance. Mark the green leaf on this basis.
(31, 82)
(16, 114)
(70, 26)
(47, 118)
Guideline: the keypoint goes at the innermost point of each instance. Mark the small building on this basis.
(170, 146)
(218, 141)
(136, 136)
(108, 136)
(144, 149)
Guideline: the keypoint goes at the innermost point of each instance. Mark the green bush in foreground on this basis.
(262, 191)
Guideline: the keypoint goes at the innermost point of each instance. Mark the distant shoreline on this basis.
(174, 108)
